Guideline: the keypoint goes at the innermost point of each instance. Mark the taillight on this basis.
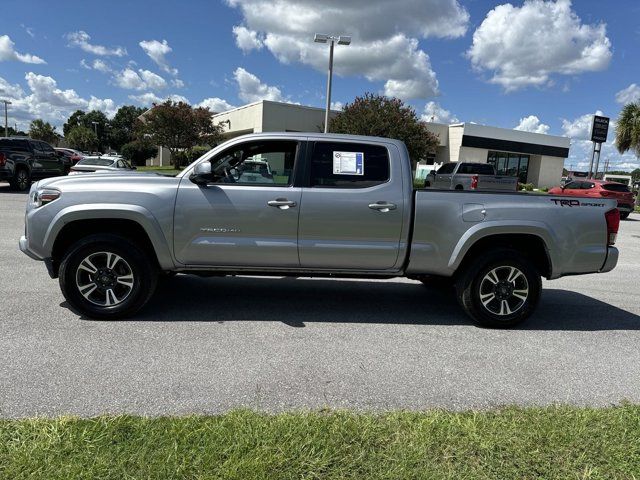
(613, 224)
(474, 182)
(3, 159)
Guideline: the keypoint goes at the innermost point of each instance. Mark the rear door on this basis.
(239, 219)
(53, 163)
(352, 206)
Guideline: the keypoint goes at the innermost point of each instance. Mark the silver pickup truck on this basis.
(470, 176)
(329, 205)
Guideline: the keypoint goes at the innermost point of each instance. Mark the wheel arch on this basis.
(67, 228)
(531, 245)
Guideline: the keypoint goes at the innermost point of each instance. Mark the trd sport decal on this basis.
(574, 203)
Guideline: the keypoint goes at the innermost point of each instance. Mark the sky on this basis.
(535, 65)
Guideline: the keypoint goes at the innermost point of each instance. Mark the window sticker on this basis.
(348, 163)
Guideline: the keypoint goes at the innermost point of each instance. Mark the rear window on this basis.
(96, 161)
(349, 165)
(476, 169)
(616, 187)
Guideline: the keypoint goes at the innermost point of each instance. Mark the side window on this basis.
(264, 163)
(446, 168)
(349, 165)
(121, 164)
(36, 148)
(572, 186)
(46, 148)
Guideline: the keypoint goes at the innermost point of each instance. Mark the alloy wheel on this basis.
(104, 279)
(504, 290)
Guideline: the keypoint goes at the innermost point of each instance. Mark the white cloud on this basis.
(524, 46)
(101, 66)
(157, 52)
(580, 128)
(7, 52)
(532, 124)
(148, 98)
(47, 101)
(176, 82)
(246, 39)
(29, 30)
(81, 39)
(215, 104)
(251, 89)
(433, 112)
(140, 80)
(628, 95)
(385, 37)
(337, 106)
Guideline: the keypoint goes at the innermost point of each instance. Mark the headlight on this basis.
(42, 196)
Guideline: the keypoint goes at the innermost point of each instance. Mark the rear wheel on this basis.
(107, 277)
(21, 180)
(499, 290)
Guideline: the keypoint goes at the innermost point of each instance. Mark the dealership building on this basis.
(533, 157)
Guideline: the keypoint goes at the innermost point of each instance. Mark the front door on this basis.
(247, 215)
(352, 207)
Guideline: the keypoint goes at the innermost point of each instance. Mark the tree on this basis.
(177, 126)
(82, 138)
(124, 126)
(73, 121)
(41, 130)
(80, 118)
(12, 132)
(138, 151)
(628, 129)
(381, 116)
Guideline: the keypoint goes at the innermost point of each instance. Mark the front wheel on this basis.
(499, 290)
(107, 277)
(624, 215)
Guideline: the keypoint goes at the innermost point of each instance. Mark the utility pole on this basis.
(6, 117)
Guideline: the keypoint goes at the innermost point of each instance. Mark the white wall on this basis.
(551, 172)
(471, 154)
(455, 141)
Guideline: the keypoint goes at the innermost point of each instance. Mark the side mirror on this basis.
(432, 172)
(201, 173)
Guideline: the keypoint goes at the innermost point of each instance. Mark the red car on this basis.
(599, 189)
(74, 156)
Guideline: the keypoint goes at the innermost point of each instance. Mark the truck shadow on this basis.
(296, 302)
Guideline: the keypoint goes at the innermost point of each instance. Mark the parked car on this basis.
(72, 156)
(100, 164)
(599, 189)
(23, 159)
(346, 207)
(469, 176)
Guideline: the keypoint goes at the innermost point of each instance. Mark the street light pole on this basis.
(331, 39)
(95, 128)
(6, 117)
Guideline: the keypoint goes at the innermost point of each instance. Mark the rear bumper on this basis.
(611, 261)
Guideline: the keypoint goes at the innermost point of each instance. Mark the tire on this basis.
(125, 283)
(503, 303)
(21, 180)
(459, 187)
(624, 215)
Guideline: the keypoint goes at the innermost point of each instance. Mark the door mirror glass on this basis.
(201, 173)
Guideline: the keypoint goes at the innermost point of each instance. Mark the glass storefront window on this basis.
(512, 164)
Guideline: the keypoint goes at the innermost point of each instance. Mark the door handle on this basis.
(383, 206)
(281, 203)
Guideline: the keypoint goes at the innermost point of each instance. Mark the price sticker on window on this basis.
(348, 163)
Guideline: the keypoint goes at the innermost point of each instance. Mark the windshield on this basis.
(101, 162)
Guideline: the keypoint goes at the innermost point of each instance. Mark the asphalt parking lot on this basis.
(208, 345)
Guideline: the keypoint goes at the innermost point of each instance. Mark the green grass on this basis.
(166, 170)
(550, 443)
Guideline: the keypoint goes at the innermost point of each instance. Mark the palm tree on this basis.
(628, 129)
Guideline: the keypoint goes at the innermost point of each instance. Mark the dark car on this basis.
(24, 159)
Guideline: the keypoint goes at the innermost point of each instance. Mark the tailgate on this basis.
(497, 182)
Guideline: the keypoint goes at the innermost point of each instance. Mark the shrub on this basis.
(138, 151)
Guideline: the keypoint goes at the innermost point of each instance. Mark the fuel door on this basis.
(473, 212)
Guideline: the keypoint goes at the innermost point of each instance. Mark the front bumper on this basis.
(24, 248)
(611, 261)
(623, 207)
